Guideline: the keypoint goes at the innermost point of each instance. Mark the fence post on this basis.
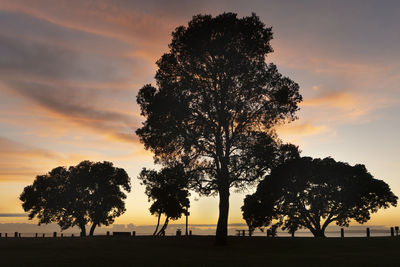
(341, 232)
(178, 232)
(16, 234)
(368, 232)
(392, 231)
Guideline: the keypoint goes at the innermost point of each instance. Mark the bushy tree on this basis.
(90, 192)
(168, 190)
(215, 105)
(312, 193)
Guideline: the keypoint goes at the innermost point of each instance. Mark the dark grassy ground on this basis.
(199, 251)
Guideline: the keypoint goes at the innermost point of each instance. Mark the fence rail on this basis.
(368, 232)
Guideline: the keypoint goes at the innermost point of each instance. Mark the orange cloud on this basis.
(100, 18)
(343, 106)
(340, 100)
(22, 162)
(301, 128)
(49, 112)
(322, 63)
(320, 116)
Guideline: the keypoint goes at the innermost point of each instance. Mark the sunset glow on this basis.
(70, 72)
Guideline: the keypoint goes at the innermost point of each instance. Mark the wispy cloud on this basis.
(22, 162)
(13, 215)
(108, 19)
(11, 148)
(340, 100)
(66, 83)
(345, 106)
(299, 128)
(323, 114)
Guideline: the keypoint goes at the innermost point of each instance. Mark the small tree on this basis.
(216, 99)
(312, 193)
(168, 189)
(90, 192)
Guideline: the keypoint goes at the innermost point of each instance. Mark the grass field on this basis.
(199, 251)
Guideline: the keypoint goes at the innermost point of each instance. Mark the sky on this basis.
(70, 72)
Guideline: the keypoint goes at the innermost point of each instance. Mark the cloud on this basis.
(65, 82)
(13, 215)
(20, 162)
(344, 106)
(14, 25)
(20, 168)
(301, 128)
(76, 107)
(37, 60)
(88, 111)
(333, 63)
(323, 114)
(147, 25)
(10, 148)
(119, 21)
(336, 99)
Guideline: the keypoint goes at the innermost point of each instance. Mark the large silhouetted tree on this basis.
(312, 193)
(216, 100)
(90, 192)
(168, 189)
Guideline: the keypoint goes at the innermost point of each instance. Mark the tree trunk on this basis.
(92, 229)
(166, 224)
(222, 226)
(158, 224)
(83, 229)
(319, 233)
(162, 230)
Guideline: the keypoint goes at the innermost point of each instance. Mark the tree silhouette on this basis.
(312, 193)
(216, 104)
(168, 189)
(90, 192)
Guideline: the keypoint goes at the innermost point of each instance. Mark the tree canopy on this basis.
(215, 105)
(312, 193)
(168, 189)
(90, 192)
